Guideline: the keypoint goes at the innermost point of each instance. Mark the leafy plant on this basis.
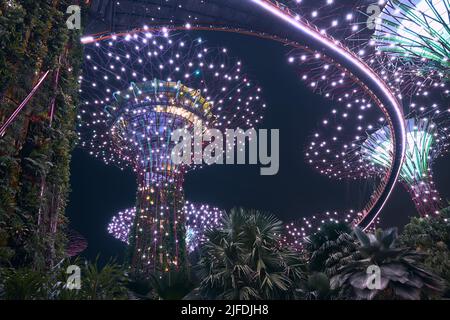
(34, 156)
(23, 284)
(431, 235)
(103, 283)
(401, 273)
(97, 283)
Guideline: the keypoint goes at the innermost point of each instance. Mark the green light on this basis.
(416, 29)
(420, 141)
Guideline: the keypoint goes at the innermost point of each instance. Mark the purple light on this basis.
(199, 218)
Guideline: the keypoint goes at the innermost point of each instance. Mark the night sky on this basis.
(100, 191)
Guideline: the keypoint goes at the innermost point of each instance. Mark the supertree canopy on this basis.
(140, 87)
(404, 41)
(121, 223)
(199, 218)
(339, 148)
(424, 143)
(418, 31)
(202, 217)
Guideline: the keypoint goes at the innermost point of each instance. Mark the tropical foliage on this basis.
(173, 285)
(97, 283)
(243, 260)
(401, 275)
(431, 236)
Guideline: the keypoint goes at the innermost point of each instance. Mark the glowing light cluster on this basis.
(199, 218)
(298, 231)
(293, 31)
(340, 147)
(370, 155)
(372, 84)
(405, 41)
(120, 225)
(118, 67)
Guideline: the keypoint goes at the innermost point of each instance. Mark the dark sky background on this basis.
(100, 191)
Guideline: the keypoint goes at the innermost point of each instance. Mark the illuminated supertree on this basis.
(280, 21)
(405, 41)
(121, 223)
(336, 148)
(424, 145)
(199, 218)
(139, 89)
(418, 32)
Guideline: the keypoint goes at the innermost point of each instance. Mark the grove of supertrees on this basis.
(137, 90)
(199, 218)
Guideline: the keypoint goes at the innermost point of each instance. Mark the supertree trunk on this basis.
(159, 230)
(425, 196)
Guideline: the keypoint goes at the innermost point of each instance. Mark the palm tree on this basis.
(400, 273)
(243, 259)
(330, 248)
(104, 283)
